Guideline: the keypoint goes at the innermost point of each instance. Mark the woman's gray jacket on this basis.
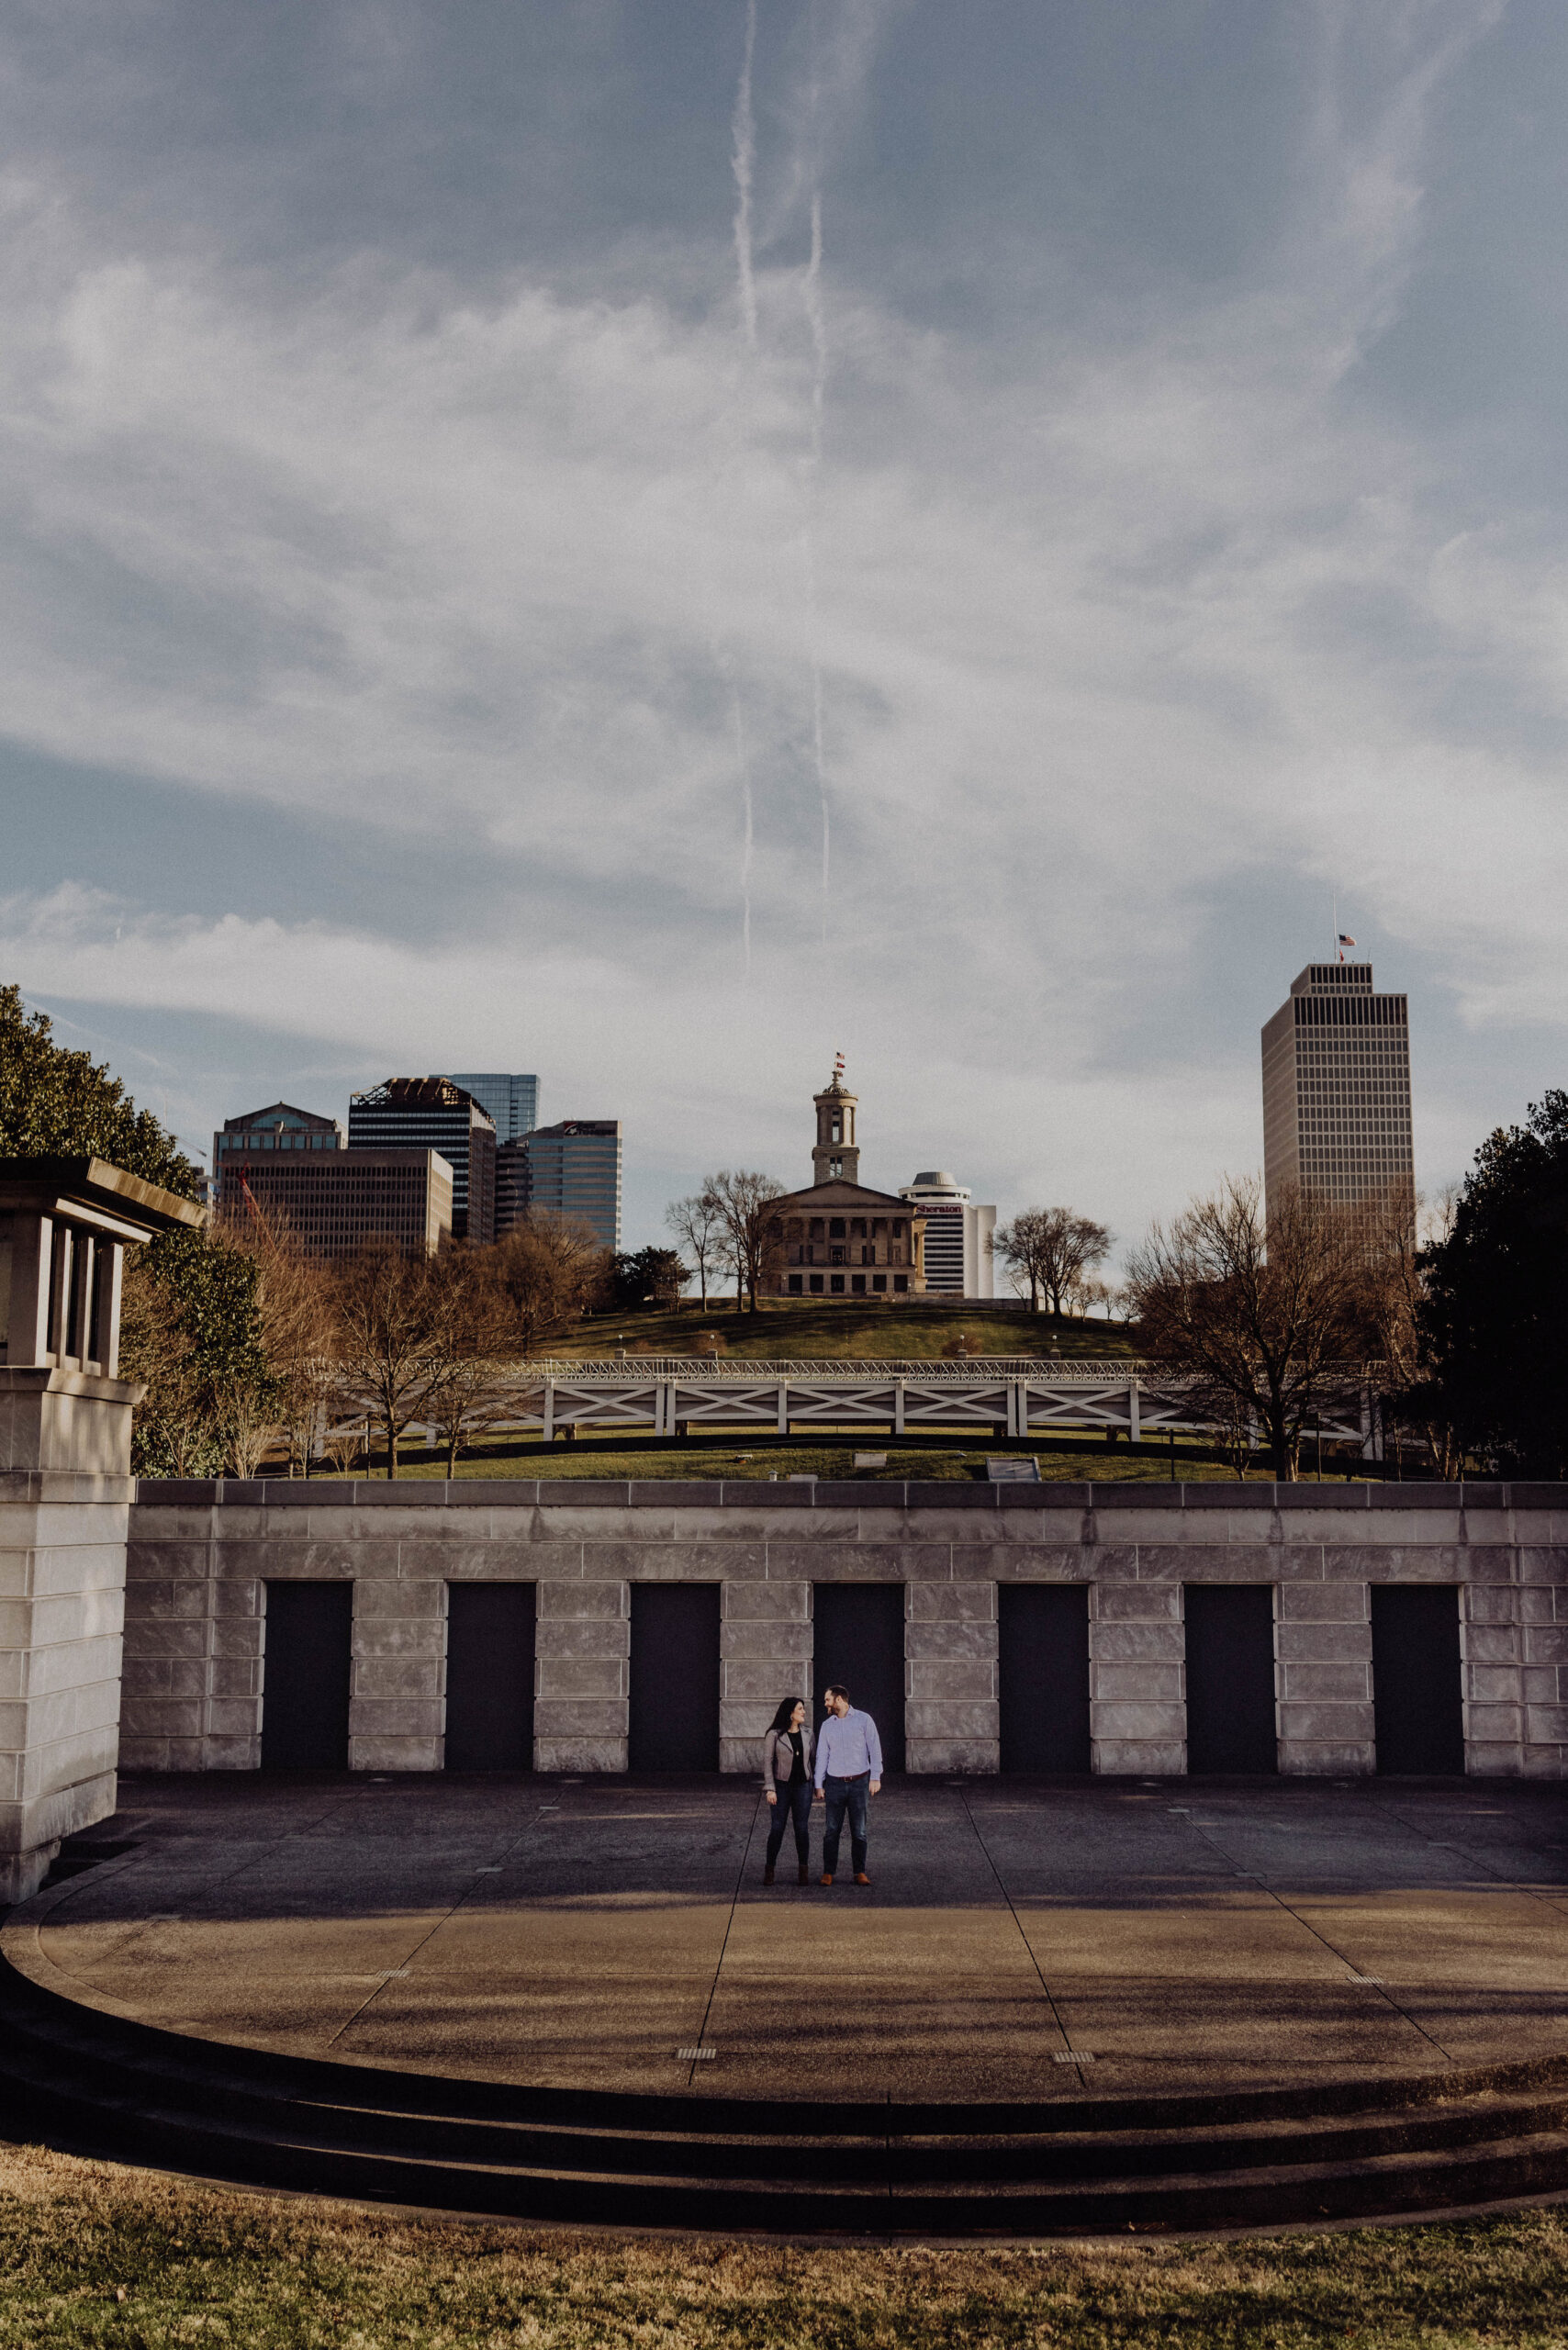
(779, 1756)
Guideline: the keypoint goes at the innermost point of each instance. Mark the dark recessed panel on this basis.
(489, 1676)
(859, 1644)
(1417, 1697)
(1043, 1677)
(675, 1677)
(1230, 1678)
(305, 1676)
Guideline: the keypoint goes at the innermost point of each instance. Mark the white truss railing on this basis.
(973, 1398)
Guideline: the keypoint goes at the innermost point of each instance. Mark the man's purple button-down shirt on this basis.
(846, 1747)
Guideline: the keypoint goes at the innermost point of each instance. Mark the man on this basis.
(849, 1769)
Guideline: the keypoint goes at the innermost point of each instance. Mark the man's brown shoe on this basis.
(826, 1880)
(805, 1876)
(767, 1873)
(861, 1877)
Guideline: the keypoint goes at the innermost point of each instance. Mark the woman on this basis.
(786, 1752)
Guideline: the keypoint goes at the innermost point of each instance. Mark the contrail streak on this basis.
(745, 765)
(742, 157)
(816, 318)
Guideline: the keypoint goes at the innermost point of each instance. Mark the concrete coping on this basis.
(863, 1493)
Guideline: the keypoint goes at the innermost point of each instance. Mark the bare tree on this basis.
(388, 1342)
(295, 1305)
(749, 1227)
(1053, 1252)
(1265, 1319)
(548, 1269)
(475, 1335)
(698, 1225)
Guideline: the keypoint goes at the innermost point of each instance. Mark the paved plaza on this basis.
(1020, 1941)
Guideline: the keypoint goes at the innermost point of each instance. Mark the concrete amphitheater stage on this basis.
(1030, 1943)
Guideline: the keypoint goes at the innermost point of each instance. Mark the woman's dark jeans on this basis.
(794, 1803)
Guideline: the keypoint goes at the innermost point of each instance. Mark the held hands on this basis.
(875, 1787)
(771, 1797)
(822, 1795)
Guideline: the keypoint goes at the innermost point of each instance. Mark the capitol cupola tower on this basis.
(836, 1159)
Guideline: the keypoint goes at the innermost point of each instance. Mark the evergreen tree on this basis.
(1494, 1322)
(57, 1104)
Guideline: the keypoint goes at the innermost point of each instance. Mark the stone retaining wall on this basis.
(200, 1555)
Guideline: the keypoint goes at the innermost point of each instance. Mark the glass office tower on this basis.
(510, 1102)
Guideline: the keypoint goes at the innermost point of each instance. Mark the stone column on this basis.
(766, 1651)
(583, 1649)
(65, 1495)
(1323, 1648)
(1137, 1712)
(952, 1716)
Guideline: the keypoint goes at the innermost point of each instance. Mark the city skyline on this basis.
(960, 544)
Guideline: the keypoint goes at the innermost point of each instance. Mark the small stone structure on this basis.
(200, 1556)
(65, 1493)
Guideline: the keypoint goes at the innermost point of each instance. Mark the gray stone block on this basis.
(381, 1754)
(1322, 1602)
(586, 1676)
(580, 1718)
(950, 1719)
(1135, 1603)
(1124, 1643)
(1492, 1722)
(952, 1602)
(793, 1638)
(581, 1602)
(938, 1679)
(1137, 1684)
(1137, 1758)
(1338, 1682)
(1123, 1724)
(372, 1596)
(1326, 1758)
(1540, 1683)
(765, 1680)
(376, 1717)
(769, 1603)
(950, 1640)
(399, 1676)
(574, 1638)
(1323, 1643)
(1543, 1643)
(1346, 1724)
(953, 1757)
(398, 1636)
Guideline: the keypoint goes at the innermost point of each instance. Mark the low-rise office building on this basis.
(279, 1127)
(332, 1202)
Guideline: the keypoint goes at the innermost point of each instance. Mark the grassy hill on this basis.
(797, 1330)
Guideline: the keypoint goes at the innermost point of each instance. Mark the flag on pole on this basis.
(1344, 941)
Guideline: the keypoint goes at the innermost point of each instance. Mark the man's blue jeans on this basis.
(851, 1796)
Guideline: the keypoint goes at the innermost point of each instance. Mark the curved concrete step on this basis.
(1357, 2149)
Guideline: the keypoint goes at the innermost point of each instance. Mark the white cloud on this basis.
(1103, 626)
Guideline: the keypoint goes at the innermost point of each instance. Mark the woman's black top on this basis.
(799, 1744)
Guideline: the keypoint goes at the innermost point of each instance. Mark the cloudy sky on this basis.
(647, 544)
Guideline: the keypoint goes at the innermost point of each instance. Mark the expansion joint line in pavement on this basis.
(1202, 1827)
(723, 1946)
(1442, 1843)
(445, 1919)
(1018, 1924)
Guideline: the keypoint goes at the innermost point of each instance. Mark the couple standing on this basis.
(849, 1770)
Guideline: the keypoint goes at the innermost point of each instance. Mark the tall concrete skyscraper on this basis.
(1337, 1090)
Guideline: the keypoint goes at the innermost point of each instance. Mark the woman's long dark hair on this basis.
(781, 1718)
